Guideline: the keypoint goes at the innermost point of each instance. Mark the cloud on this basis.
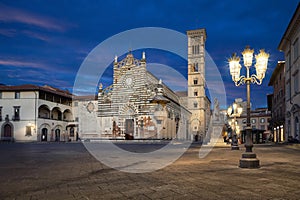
(21, 64)
(9, 14)
(8, 32)
(37, 36)
(50, 68)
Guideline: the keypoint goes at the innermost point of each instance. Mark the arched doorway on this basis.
(297, 128)
(57, 135)
(7, 131)
(44, 134)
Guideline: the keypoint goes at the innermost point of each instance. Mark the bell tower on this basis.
(196, 81)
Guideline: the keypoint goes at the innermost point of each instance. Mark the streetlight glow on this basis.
(234, 111)
(248, 56)
(248, 159)
(234, 67)
(261, 64)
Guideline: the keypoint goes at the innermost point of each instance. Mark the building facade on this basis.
(136, 105)
(196, 81)
(277, 123)
(289, 44)
(142, 106)
(260, 119)
(139, 105)
(33, 113)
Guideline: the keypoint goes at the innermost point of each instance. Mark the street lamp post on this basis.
(234, 111)
(248, 159)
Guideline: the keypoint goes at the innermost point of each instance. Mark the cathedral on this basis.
(139, 105)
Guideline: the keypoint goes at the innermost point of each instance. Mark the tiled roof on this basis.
(29, 87)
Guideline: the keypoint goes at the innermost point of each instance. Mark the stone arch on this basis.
(44, 112)
(56, 113)
(58, 133)
(44, 132)
(195, 124)
(67, 115)
(128, 110)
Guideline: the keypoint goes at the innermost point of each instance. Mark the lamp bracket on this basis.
(255, 79)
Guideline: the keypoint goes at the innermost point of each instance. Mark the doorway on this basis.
(7, 131)
(129, 129)
(57, 135)
(44, 134)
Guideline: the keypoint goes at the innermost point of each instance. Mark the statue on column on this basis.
(216, 111)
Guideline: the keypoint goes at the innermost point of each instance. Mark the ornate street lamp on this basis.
(248, 159)
(234, 111)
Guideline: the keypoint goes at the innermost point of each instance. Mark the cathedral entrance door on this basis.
(129, 127)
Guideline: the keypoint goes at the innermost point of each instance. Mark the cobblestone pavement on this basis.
(68, 171)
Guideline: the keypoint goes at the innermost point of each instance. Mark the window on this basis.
(262, 127)
(28, 131)
(0, 95)
(195, 105)
(253, 121)
(288, 63)
(296, 83)
(196, 67)
(195, 81)
(17, 95)
(195, 49)
(75, 104)
(253, 127)
(288, 90)
(244, 121)
(262, 120)
(0, 113)
(16, 116)
(195, 93)
(295, 47)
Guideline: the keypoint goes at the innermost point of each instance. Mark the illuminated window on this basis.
(262, 120)
(16, 113)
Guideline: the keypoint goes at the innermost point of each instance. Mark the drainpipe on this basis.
(290, 72)
(35, 117)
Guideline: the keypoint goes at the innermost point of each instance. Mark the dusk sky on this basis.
(45, 42)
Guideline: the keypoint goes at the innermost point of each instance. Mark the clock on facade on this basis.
(90, 107)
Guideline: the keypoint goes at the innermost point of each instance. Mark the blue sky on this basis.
(45, 42)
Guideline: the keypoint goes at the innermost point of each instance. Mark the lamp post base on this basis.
(235, 147)
(249, 161)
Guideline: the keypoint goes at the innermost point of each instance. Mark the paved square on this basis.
(68, 171)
